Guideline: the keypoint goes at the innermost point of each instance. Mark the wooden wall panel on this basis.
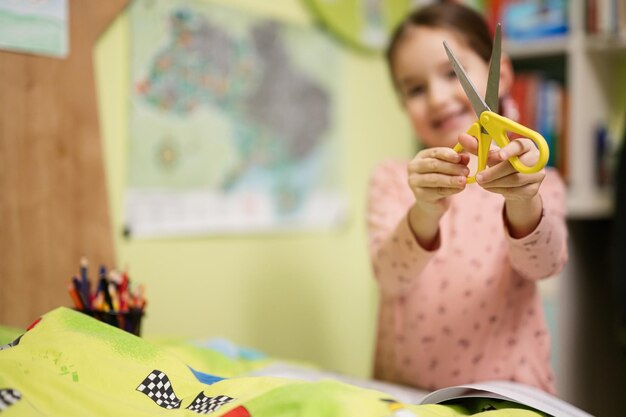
(53, 196)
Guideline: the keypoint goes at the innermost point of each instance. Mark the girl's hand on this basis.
(434, 175)
(500, 177)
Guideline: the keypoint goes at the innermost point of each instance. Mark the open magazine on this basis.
(509, 391)
(503, 390)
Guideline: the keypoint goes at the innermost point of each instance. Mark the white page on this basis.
(511, 391)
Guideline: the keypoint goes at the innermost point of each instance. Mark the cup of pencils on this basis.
(111, 300)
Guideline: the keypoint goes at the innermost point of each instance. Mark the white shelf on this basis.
(606, 43)
(557, 45)
(597, 204)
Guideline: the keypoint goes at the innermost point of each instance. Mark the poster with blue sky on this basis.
(34, 26)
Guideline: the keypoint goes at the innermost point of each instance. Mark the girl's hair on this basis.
(465, 21)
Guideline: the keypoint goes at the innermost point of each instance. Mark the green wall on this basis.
(307, 296)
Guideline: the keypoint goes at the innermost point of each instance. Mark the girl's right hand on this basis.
(434, 175)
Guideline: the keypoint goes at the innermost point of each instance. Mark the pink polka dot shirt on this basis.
(469, 310)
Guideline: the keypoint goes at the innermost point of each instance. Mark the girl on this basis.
(457, 264)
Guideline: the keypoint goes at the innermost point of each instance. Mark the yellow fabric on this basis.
(70, 364)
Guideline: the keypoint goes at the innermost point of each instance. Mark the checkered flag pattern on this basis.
(8, 397)
(205, 405)
(157, 386)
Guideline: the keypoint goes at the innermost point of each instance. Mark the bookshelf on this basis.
(588, 73)
(591, 370)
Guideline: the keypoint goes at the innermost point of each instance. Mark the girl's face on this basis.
(429, 89)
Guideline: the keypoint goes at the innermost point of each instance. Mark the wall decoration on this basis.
(34, 26)
(233, 125)
(363, 24)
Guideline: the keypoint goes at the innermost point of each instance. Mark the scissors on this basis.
(490, 125)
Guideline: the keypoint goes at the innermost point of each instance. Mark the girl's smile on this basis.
(429, 90)
(453, 120)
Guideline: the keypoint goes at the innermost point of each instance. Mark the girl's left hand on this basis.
(500, 177)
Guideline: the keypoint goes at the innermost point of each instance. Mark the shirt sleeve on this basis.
(397, 258)
(543, 252)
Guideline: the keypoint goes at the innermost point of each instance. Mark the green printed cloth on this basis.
(70, 364)
(9, 334)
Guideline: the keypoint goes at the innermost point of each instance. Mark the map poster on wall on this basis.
(34, 26)
(233, 124)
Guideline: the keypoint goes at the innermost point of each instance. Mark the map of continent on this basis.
(238, 107)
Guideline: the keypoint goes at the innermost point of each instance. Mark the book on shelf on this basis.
(524, 20)
(605, 17)
(542, 104)
(548, 116)
(524, 92)
(508, 391)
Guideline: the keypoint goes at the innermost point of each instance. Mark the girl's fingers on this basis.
(465, 158)
(440, 161)
(435, 193)
(522, 148)
(431, 165)
(441, 153)
(469, 143)
(495, 172)
(516, 147)
(434, 180)
(514, 180)
(494, 157)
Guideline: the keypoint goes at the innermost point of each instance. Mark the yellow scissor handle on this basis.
(484, 143)
(497, 126)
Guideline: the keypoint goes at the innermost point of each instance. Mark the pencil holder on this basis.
(111, 299)
(126, 320)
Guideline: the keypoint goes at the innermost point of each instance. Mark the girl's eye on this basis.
(451, 74)
(415, 90)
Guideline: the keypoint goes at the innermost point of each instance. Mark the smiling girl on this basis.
(457, 265)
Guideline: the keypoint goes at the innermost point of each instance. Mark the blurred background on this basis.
(219, 152)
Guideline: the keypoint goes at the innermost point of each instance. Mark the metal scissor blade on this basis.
(493, 81)
(478, 104)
